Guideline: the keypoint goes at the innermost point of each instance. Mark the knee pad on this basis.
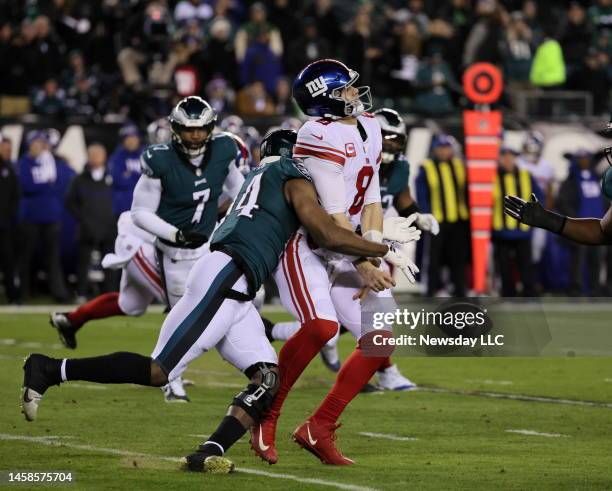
(322, 329)
(257, 398)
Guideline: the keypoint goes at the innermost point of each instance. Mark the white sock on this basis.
(284, 330)
(63, 370)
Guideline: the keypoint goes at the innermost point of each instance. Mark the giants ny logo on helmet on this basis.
(317, 86)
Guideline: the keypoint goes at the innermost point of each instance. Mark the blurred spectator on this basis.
(50, 100)
(9, 205)
(512, 240)
(124, 167)
(47, 50)
(90, 200)
(40, 214)
(575, 38)
(219, 57)
(187, 53)
(82, 97)
(548, 67)
(188, 10)
(261, 63)
(458, 14)
(282, 98)
(282, 14)
(580, 194)
(76, 69)
(308, 47)
(220, 96)
(434, 83)
(415, 12)
(362, 48)
(600, 15)
(517, 50)
(6, 150)
(482, 44)
(148, 47)
(594, 77)
(253, 100)
(258, 30)
(530, 16)
(403, 58)
(14, 79)
(446, 198)
(327, 20)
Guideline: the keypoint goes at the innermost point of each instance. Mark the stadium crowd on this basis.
(135, 57)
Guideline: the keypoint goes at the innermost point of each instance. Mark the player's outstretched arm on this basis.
(147, 195)
(589, 231)
(303, 197)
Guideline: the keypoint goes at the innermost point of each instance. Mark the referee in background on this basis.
(441, 191)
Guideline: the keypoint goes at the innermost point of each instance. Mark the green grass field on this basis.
(451, 435)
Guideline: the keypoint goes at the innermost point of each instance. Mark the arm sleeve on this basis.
(233, 182)
(329, 183)
(372, 194)
(147, 195)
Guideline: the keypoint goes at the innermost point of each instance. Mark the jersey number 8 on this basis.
(364, 178)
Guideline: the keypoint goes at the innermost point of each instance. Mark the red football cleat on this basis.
(263, 439)
(319, 440)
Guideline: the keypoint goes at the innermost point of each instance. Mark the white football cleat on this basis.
(174, 391)
(391, 379)
(30, 401)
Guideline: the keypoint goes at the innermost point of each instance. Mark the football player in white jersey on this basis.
(342, 151)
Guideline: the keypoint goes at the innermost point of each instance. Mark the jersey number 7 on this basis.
(202, 197)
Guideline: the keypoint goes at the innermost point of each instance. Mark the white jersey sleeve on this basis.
(147, 195)
(324, 159)
(233, 182)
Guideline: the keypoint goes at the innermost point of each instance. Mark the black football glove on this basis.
(532, 213)
(190, 238)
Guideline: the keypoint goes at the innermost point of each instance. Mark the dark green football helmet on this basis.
(278, 143)
(192, 112)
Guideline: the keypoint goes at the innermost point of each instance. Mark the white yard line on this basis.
(127, 453)
(537, 433)
(489, 381)
(86, 386)
(515, 397)
(388, 437)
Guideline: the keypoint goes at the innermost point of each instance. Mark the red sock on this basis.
(354, 374)
(100, 307)
(296, 354)
(385, 364)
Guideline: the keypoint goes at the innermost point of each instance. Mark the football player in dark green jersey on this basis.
(216, 310)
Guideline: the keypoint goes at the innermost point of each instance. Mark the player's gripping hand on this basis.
(533, 213)
(427, 223)
(190, 238)
(400, 229)
(374, 278)
(400, 260)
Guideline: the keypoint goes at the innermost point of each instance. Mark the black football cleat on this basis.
(40, 372)
(65, 330)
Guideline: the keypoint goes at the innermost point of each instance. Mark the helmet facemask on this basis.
(191, 149)
(608, 150)
(393, 146)
(360, 104)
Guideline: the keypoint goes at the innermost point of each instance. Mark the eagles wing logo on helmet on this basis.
(317, 86)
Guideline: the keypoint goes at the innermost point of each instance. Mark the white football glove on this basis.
(400, 229)
(400, 260)
(427, 222)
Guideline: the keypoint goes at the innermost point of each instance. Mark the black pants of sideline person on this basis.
(511, 256)
(7, 264)
(86, 247)
(47, 235)
(449, 248)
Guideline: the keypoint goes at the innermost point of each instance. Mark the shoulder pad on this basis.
(153, 160)
(301, 169)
